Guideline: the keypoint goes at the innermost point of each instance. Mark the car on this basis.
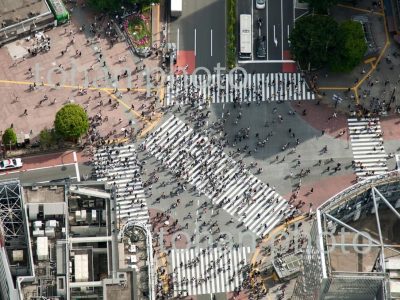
(12, 163)
(261, 47)
(260, 4)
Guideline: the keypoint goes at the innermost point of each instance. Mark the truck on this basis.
(176, 8)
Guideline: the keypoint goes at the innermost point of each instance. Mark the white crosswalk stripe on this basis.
(200, 271)
(119, 166)
(229, 184)
(234, 87)
(367, 144)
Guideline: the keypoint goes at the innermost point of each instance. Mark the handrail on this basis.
(344, 195)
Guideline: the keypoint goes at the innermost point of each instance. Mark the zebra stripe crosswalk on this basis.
(229, 184)
(198, 271)
(233, 87)
(367, 143)
(119, 167)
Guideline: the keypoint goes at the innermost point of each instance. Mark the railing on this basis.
(362, 186)
(149, 250)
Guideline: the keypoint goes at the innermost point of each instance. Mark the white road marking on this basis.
(275, 39)
(35, 169)
(288, 31)
(266, 12)
(252, 19)
(177, 40)
(195, 42)
(211, 42)
(78, 176)
(74, 156)
(282, 26)
(299, 16)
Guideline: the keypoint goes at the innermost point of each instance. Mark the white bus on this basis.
(246, 36)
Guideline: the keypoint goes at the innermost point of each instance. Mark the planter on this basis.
(138, 30)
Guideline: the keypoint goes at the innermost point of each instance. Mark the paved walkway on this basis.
(321, 118)
(323, 190)
(69, 70)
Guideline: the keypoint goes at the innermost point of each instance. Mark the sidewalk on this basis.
(157, 21)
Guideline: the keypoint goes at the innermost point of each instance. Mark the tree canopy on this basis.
(312, 40)
(115, 5)
(9, 137)
(71, 121)
(318, 41)
(321, 6)
(351, 47)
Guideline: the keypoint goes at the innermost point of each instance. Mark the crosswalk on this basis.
(119, 166)
(223, 88)
(200, 271)
(229, 184)
(367, 144)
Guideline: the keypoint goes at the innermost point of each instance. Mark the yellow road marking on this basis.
(333, 88)
(70, 86)
(373, 60)
(369, 60)
(272, 234)
(151, 126)
(360, 9)
(135, 113)
(374, 64)
(161, 92)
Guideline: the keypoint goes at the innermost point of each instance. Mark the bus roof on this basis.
(245, 34)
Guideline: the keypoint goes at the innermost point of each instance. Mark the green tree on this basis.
(105, 5)
(71, 122)
(313, 39)
(46, 138)
(9, 137)
(321, 6)
(145, 2)
(115, 5)
(351, 47)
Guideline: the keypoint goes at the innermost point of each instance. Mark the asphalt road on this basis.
(278, 21)
(201, 29)
(45, 175)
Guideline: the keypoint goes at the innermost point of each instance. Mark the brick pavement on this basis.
(42, 116)
(323, 190)
(161, 227)
(320, 117)
(390, 127)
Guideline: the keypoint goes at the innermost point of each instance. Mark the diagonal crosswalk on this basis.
(200, 271)
(367, 143)
(233, 87)
(229, 184)
(119, 166)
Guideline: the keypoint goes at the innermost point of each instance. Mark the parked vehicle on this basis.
(12, 163)
(261, 47)
(246, 35)
(260, 4)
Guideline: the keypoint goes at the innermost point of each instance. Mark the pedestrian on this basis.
(25, 112)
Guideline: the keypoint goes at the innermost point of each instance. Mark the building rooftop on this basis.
(15, 11)
(44, 194)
